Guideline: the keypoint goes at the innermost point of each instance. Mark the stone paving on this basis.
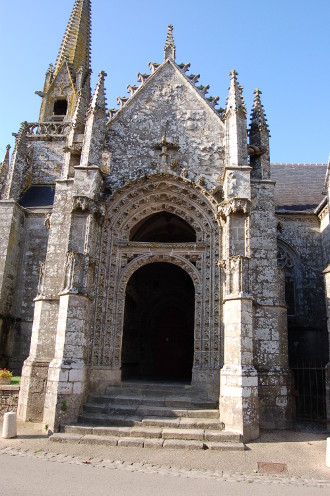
(279, 479)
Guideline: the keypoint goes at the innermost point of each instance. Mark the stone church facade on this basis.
(156, 241)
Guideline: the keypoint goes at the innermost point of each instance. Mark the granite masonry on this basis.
(156, 242)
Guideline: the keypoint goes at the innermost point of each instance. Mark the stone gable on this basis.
(167, 104)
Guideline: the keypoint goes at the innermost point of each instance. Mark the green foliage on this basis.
(15, 380)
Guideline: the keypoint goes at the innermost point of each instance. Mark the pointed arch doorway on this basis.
(158, 335)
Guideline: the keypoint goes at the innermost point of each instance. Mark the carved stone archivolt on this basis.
(120, 258)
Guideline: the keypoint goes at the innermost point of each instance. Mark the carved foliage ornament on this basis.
(234, 206)
(86, 204)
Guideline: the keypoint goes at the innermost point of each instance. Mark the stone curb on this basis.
(168, 471)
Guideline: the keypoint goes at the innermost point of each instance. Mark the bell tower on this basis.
(70, 77)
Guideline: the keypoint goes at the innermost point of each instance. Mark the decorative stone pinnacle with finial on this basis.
(235, 100)
(258, 118)
(169, 49)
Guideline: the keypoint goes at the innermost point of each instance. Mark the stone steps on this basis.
(100, 419)
(150, 388)
(151, 436)
(156, 415)
(160, 401)
(148, 410)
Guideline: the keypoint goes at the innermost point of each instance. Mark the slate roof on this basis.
(298, 187)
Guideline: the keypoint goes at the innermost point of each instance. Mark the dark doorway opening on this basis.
(158, 337)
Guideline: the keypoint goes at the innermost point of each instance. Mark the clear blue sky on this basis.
(280, 46)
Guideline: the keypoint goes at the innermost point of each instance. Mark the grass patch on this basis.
(15, 380)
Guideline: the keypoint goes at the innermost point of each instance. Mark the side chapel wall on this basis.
(307, 328)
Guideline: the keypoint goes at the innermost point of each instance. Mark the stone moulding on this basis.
(324, 212)
(133, 245)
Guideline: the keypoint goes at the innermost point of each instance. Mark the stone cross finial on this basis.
(169, 49)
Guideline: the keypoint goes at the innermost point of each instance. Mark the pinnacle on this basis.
(50, 69)
(235, 100)
(6, 157)
(99, 99)
(258, 118)
(75, 47)
(80, 111)
(169, 49)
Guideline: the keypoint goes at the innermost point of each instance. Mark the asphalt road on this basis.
(22, 476)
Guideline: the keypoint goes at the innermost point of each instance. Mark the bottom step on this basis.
(145, 442)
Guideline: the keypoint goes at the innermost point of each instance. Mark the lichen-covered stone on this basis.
(165, 180)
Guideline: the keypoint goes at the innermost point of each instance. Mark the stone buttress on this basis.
(267, 284)
(238, 376)
(62, 298)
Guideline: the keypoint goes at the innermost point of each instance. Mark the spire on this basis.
(71, 73)
(169, 49)
(259, 140)
(75, 47)
(235, 100)
(258, 118)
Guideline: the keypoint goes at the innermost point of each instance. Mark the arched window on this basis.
(284, 261)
